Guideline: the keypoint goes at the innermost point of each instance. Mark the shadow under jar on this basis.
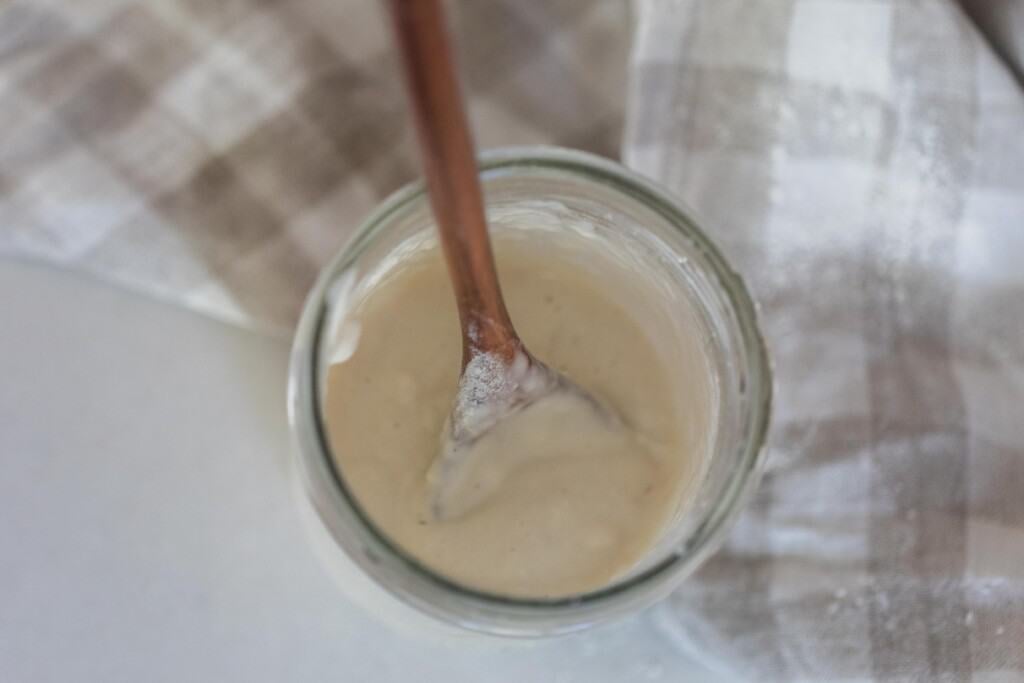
(560, 191)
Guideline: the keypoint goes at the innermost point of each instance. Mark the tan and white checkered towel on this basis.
(861, 161)
(217, 152)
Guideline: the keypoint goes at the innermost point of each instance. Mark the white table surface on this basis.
(148, 528)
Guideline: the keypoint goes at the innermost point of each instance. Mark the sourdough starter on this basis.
(568, 506)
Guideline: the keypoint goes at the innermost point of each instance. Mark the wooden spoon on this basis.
(499, 376)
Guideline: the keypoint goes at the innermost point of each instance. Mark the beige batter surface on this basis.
(565, 504)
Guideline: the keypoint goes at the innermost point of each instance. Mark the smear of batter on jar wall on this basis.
(556, 500)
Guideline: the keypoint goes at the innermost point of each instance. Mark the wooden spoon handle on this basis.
(452, 180)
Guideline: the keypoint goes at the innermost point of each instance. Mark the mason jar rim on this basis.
(481, 610)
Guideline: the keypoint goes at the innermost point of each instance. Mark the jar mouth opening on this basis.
(318, 465)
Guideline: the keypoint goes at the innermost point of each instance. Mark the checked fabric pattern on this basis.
(216, 154)
(862, 163)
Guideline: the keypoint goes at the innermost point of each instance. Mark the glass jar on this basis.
(570, 190)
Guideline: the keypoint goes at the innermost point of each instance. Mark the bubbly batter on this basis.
(561, 505)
